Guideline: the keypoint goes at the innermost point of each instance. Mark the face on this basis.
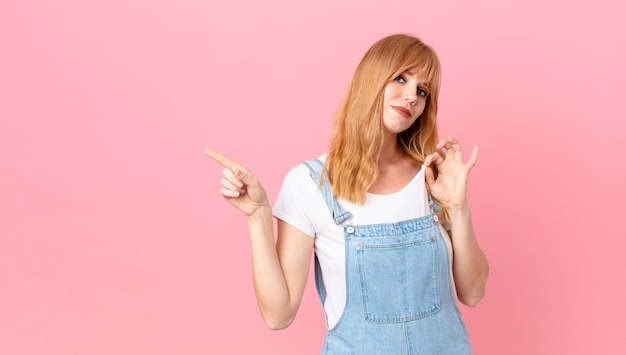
(404, 101)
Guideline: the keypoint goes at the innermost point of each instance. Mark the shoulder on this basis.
(299, 201)
(299, 181)
(301, 172)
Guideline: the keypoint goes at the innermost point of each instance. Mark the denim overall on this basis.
(399, 296)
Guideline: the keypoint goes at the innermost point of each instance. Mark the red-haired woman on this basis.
(384, 212)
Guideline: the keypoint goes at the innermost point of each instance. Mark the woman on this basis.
(384, 211)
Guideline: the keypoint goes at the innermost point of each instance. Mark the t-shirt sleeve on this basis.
(293, 202)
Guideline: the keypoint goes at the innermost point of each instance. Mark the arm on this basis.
(280, 269)
(469, 266)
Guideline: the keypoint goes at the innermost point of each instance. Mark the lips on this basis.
(403, 111)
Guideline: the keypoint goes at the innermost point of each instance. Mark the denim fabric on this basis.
(399, 295)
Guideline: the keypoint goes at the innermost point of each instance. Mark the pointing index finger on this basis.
(218, 157)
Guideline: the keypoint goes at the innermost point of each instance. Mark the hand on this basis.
(239, 186)
(450, 187)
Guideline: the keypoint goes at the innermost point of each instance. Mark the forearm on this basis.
(470, 266)
(270, 285)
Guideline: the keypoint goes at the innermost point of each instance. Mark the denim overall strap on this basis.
(435, 210)
(337, 212)
(315, 170)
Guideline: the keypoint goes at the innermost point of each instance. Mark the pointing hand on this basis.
(239, 186)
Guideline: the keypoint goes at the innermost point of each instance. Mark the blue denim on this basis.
(399, 295)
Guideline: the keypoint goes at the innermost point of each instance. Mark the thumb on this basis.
(430, 176)
(243, 175)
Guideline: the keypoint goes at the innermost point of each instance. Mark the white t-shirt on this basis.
(301, 205)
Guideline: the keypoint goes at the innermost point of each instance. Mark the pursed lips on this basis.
(403, 111)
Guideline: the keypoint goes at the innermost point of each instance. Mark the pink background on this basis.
(113, 236)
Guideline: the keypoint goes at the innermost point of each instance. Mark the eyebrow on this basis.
(423, 83)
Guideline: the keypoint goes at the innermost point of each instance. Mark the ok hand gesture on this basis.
(450, 186)
(239, 186)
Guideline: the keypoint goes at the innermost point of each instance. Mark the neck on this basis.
(390, 152)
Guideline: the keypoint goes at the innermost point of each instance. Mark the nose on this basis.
(410, 94)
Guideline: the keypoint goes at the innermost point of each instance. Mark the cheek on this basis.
(422, 107)
(393, 90)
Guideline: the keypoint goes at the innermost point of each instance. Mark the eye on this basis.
(423, 92)
(399, 79)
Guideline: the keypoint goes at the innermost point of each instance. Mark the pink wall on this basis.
(114, 239)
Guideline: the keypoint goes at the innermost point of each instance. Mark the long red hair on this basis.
(352, 161)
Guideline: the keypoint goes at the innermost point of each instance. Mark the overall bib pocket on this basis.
(399, 280)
